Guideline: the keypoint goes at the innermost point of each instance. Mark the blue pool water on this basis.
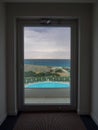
(48, 85)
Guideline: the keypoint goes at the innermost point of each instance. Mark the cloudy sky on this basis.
(47, 42)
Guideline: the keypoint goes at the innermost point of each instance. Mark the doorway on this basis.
(47, 64)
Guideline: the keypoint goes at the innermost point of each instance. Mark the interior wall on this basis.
(49, 1)
(3, 112)
(82, 12)
(94, 111)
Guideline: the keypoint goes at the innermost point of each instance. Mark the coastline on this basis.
(40, 68)
(39, 74)
(36, 68)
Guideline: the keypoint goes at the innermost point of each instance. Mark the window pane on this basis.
(47, 64)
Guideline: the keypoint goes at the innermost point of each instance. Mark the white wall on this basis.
(80, 11)
(2, 65)
(94, 110)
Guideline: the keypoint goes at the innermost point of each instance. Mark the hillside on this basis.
(38, 69)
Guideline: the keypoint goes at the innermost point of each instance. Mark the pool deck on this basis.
(47, 100)
(47, 95)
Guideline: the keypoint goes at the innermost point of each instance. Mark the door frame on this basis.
(62, 22)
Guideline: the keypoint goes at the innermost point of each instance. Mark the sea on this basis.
(49, 62)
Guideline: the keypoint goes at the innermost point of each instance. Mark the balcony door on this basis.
(47, 64)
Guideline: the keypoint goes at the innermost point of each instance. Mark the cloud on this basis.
(47, 43)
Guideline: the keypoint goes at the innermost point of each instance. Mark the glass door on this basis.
(47, 63)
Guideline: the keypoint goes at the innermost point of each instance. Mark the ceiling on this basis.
(54, 1)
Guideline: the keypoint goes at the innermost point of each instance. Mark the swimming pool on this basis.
(48, 85)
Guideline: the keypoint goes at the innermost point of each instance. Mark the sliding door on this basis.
(47, 64)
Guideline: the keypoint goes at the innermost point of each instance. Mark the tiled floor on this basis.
(47, 100)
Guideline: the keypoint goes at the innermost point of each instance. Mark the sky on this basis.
(47, 42)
